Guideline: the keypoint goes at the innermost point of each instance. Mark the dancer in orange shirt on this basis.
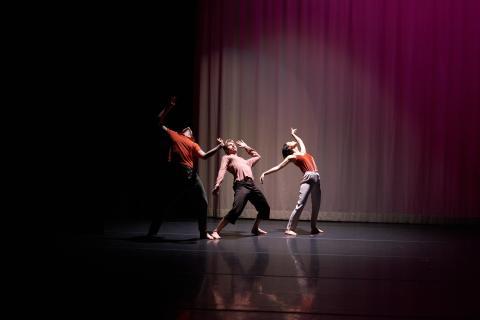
(183, 155)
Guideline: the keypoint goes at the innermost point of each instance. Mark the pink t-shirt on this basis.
(237, 166)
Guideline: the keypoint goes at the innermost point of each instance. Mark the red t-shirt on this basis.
(305, 163)
(183, 151)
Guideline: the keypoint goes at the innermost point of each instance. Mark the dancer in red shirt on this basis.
(295, 151)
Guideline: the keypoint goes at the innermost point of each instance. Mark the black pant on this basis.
(185, 182)
(246, 190)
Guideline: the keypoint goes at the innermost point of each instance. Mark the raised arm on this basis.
(163, 114)
(205, 155)
(277, 167)
(301, 145)
(255, 156)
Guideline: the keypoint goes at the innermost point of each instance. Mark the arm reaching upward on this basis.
(301, 145)
(162, 115)
(277, 167)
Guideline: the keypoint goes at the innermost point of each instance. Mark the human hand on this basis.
(241, 143)
(220, 141)
(262, 177)
(293, 131)
(215, 190)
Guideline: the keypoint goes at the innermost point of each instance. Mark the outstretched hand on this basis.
(220, 141)
(262, 177)
(241, 143)
(293, 130)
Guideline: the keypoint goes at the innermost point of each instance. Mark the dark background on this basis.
(124, 69)
(159, 45)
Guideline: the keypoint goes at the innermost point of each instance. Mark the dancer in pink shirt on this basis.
(244, 186)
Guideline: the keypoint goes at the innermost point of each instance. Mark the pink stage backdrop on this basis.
(385, 94)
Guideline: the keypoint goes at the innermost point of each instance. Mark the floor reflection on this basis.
(306, 284)
(243, 287)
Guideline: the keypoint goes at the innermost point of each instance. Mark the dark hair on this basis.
(286, 151)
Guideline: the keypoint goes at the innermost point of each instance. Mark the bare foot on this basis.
(215, 235)
(206, 235)
(258, 231)
(290, 232)
(316, 230)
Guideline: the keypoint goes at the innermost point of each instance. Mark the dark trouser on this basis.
(246, 190)
(186, 183)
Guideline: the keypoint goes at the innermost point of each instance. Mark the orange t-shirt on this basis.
(183, 151)
(305, 163)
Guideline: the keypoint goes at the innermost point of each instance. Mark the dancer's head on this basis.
(230, 147)
(187, 132)
(288, 147)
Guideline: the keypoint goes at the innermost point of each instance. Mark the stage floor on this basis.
(351, 271)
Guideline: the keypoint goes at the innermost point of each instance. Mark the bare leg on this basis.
(219, 228)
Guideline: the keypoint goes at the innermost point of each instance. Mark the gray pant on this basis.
(310, 185)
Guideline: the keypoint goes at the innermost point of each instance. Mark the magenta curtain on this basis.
(385, 95)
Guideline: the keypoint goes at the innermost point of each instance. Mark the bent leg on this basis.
(239, 202)
(260, 203)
